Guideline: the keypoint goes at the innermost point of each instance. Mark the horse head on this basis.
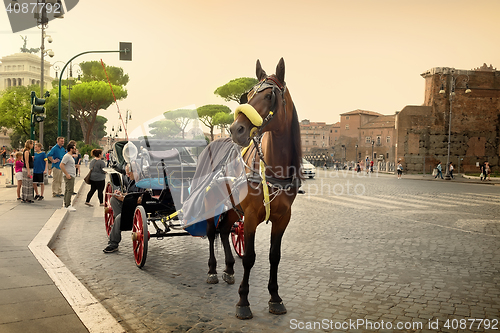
(264, 102)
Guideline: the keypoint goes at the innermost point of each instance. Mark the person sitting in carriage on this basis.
(116, 202)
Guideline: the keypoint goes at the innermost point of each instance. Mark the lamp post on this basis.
(42, 22)
(373, 143)
(356, 157)
(451, 94)
(343, 156)
(70, 79)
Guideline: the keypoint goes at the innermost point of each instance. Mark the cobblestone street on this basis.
(370, 247)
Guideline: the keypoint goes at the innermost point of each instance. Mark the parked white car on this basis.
(308, 169)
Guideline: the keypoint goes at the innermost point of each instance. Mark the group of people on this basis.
(439, 172)
(30, 170)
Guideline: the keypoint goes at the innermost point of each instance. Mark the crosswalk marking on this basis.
(471, 198)
(424, 202)
(333, 201)
(467, 200)
(487, 196)
(397, 201)
(411, 202)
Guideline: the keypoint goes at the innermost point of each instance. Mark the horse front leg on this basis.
(212, 262)
(225, 226)
(243, 306)
(276, 305)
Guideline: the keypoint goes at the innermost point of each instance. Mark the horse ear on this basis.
(280, 71)
(261, 74)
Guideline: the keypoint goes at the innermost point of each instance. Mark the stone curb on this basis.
(93, 314)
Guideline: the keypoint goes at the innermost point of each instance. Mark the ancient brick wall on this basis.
(422, 131)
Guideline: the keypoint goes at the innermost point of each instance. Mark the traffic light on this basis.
(37, 108)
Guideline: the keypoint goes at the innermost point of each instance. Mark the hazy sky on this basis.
(339, 55)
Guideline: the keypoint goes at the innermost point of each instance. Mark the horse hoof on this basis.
(229, 278)
(212, 279)
(277, 308)
(243, 312)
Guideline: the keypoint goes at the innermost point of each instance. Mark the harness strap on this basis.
(265, 190)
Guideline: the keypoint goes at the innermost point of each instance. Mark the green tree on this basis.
(181, 118)
(15, 111)
(87, 99)
(51, 125)
(93, 71)
(94, 94)
(233, 90)
(207, 113)
(223, 120)
(163, 129)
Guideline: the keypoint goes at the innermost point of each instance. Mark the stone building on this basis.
(314, 135)
(23, 69)
(371, 132)
(422, 131)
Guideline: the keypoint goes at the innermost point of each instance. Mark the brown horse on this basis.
(268, 121)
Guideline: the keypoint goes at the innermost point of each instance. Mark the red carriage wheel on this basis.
(140, 236)
(237, 236)
(109, 218)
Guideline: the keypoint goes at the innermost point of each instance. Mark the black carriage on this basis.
(165, 171)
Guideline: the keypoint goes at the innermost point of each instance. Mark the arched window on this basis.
(19, 82)
(9, 83)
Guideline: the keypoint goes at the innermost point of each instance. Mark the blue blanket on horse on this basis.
(220, 174)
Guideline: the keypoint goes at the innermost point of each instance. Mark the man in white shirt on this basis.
(69, 170)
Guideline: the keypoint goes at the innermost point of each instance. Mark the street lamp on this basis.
(356, 158)
(451, 94)
(373, 143)
(343, 155)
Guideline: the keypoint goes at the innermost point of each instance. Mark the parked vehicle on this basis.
(308, 169)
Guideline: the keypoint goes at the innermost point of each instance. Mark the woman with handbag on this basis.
(97, 177)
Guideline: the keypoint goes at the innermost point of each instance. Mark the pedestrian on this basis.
(78, 162)
(358, 167)
(400, 170)
(40, 167)
(18, 169)
(3, 152)
(12, 159)
(439, 171)
(116, 203)
(27, 187)
(55, 155)
(482, 170)
(67, 166)
(371, 166)
(86, 159)
(487, 171)
(97, 177)
(451, 170)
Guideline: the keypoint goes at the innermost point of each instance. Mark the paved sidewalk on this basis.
(29, 299)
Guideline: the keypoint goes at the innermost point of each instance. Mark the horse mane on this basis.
(296, 145)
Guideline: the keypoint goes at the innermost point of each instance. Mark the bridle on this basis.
(252, 114)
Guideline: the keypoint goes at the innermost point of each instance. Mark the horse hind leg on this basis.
(212, 262)
(225, 226)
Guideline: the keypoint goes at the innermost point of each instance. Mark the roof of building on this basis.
(381, 122)
(358, 111)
